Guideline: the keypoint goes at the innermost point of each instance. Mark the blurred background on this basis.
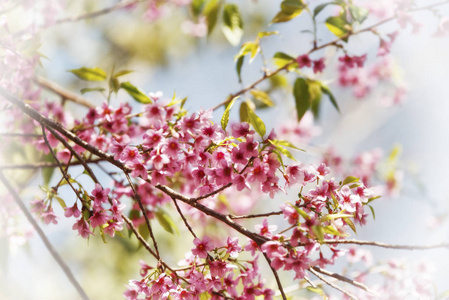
(166, 56)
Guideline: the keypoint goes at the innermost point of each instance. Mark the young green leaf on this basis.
(121, 73)
(88, 90)
(358, 14)
(262, 97)
(61, 202)
(302, 97)
(90, 74)
(248, 47)
(284, 151)
(350, 179)
(211, 11)
(289, 10)
(232, 24)
(350, 224)
(263, 34)
(286, 144)
(281, 59)
(243, 111)
(225, 117)
(134, 92)
(339, 26)
(325, 89)
(166, 221)
(257, 123)
(238, 67)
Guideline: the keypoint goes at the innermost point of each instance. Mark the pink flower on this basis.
(112, 228)
(304, 61)
(83, 228)
(318, 65)
(49, 216)
(273, 249)
(265, 229)
(72, 211)
(159, 160)
(131, 155)
(258, 171)
(241, 129)
(202, 246)
(139, 170)
(64, 156)
(249, 148)
(233, 247)
(99, 194)
(99, 218)
(290, 213)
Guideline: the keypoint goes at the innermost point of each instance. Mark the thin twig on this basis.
(53, 87)
(331, 284)
(147, 221)
(256, 215)
(276, 276)
(43, 164)
(183, 218)
(44, 238)
(383, 245)
(64, 172)
(118, 6)
(345, 279)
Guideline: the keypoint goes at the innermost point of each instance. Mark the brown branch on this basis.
(383, 245)
(44, 238)
(345, 279)
(53, 87)
(118, 6)
(255, 215)
(331, 284)
(276, 276)
(183, 218)
(23, 135)
(147, 221)
(39, 165)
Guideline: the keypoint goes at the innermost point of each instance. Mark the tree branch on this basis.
(346, 279)
(331, 284)
(44, 238)
(53, 87)
(383, 245)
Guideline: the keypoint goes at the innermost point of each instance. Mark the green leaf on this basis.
(350, 179)
(263, 34)
(350, 224)
(281, 59)
(302, 97)
(243, 111)
(284, 151)
(325, 89)
(225, 117)
(166, 221)
(262, 97)
(122, 73)
(196, 7)
(103, 237)
(114, 84)
(318, 291)
(61, 201)
(320, 7)
(88, 90)
(339, 26)
(211, 11)
(318, 231)
(335, 216)
(232, 24)
(300, 212)
(257, 123)
(90, 74)
(358, 14)
(286, 144)
(315, 96)
(331, 230)
(372, 211)
(238, 67)
(289, 10)
(248, 47)
(135, 93)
